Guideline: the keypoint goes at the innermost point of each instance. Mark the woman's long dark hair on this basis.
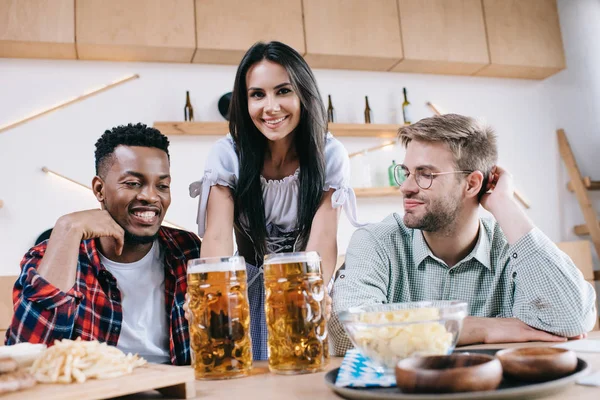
(251, 144)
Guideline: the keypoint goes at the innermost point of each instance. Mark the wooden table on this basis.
(263, 385)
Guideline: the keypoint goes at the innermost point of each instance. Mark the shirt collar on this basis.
(481, 251)
(168, 240)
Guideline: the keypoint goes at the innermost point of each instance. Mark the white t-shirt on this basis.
(145, 327)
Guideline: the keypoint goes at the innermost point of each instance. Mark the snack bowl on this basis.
(537, 364)
(449, 374)
(388, 333)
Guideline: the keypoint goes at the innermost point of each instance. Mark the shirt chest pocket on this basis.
(475, 286)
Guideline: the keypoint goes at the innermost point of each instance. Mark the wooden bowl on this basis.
(449, 374)
(537, 364)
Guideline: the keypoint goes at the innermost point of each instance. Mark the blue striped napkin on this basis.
(355, 371)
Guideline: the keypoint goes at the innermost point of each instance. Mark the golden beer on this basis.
(220, 323)
(295, 307)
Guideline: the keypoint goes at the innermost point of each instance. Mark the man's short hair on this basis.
(472, 143)
(129, 135)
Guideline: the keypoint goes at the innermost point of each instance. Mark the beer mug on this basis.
(295, 313)
(220, 323)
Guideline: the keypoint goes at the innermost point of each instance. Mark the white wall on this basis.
(525, 114)
(575, 101)
(63, 141)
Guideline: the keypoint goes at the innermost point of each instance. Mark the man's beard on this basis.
(132, 240)
(440, 218)
(129, 238)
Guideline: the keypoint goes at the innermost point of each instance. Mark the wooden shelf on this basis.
(382, 191)
(221, 128)
(582, 230)
(588, 183)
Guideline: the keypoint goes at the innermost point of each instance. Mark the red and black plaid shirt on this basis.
(91, 309)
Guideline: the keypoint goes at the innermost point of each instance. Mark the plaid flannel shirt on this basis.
(531, 279)
(91, 309)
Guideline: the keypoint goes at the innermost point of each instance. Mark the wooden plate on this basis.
(173, 381)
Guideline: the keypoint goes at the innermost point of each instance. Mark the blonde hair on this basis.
(472, 143)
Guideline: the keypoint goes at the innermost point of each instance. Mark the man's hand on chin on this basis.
(504, 330)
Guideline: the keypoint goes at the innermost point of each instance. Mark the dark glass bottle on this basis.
(367, 111)
(188, 110)
(330, 111)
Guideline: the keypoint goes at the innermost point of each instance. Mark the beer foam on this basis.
(216, 265)
(288, 258)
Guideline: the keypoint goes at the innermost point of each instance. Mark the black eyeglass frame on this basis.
(419, 176)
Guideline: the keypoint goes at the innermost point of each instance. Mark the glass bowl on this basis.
(388, 333)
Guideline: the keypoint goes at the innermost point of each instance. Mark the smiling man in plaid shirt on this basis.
(520, 287)
(113, 274)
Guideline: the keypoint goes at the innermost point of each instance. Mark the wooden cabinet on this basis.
(352, 34)
(135, 30)
(524, 39)
(442, 36)
(37, 29)
(499, 38)
(225, 29)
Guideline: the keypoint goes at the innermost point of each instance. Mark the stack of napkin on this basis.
(356, 371)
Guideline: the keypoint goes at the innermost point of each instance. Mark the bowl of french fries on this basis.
(76, 361)
(388, 333)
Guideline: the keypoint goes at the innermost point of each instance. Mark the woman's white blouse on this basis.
(280, 197)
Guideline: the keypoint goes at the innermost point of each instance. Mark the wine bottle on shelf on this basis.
(330, 111)
(188, 110)
(367, 111)
(406, 109)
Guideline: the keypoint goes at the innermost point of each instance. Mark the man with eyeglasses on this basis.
(519, 286)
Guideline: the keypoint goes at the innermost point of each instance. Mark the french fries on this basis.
(78, 360)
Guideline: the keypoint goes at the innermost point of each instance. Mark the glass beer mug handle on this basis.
(314, 300)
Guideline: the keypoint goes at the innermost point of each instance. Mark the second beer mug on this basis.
(295, 311)
(220, 323)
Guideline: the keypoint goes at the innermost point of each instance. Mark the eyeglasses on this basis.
(423, 176)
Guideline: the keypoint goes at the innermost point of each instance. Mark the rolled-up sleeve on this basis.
(550, 293)
(364, 281)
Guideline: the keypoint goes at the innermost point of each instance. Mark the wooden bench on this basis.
(580, 252)
(6, 305)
